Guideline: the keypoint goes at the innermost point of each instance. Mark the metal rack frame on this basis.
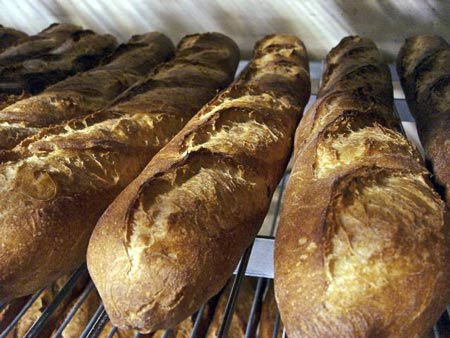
(256, 262)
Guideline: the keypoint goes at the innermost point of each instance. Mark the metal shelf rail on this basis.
(257, 262)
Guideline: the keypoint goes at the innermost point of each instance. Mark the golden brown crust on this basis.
(57, 183)
(172, 238)
(360, 222)
(424, 68)
(59, 51)
(85, 92)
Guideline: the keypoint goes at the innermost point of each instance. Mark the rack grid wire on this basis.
(256, 262)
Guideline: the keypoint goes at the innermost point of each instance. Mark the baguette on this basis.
(56, 184)
(9, 36)
(424, 68)
(362, 248)
(85, 92)
(49, 57)
(172, 238)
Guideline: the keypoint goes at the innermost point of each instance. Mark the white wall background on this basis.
(321, 24)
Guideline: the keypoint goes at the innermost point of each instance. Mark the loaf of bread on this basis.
(85, 92)
(56, 184)
(172, 238)
(9, 36)
(362, 248)
(51, 56)
(424, 68)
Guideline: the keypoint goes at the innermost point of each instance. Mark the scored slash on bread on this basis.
(362, 248)
(173, 237)
(55, 185)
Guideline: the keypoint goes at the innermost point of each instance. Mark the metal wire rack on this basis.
(256, 262)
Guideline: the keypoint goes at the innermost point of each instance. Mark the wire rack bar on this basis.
(97, 317)
(256, 306)
(21, 313)
(112, 332)
(234, 294)
(75, 308)
(198, 320)
(277, 325)
(40, 323)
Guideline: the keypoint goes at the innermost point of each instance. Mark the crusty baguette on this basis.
(85, 92)
(362, 248)
(58, 52)
(9, 36)
(172, 238)
(424, 68)
(56, 184)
